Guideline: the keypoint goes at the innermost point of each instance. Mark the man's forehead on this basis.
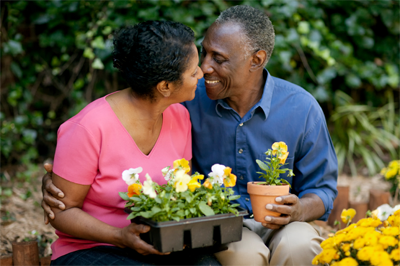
(223, 36)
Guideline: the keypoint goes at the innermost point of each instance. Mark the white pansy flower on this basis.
(383, 212)
(148, 188)
(131, 175)
(165, 170)
(181, 179)
(217, 174)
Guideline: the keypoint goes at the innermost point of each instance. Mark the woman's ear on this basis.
(258, 60)
(164, 88)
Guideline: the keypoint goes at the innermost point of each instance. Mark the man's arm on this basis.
(315, 180)
(48, 190)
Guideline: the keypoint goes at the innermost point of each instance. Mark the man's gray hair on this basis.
(258, 30)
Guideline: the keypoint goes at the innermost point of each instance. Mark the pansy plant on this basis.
(183, 196)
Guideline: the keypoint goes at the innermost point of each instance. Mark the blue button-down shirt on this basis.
(286, 112)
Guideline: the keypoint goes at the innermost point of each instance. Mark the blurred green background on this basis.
(56, 58)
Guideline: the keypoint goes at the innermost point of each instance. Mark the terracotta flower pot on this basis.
(261, 195)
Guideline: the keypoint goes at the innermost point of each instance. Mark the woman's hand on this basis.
(129, 237)
(48, 190)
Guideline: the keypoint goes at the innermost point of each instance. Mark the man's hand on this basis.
(48, 190)
(308, 208)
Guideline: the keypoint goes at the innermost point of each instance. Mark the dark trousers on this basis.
(109, 255)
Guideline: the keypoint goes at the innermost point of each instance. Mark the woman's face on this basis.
(185, 91)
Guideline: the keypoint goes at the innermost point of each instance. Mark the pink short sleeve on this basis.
(188, 147)
(77, 154)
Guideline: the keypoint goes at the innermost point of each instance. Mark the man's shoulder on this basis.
(292, 92)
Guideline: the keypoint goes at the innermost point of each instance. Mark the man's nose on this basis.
(206, 66)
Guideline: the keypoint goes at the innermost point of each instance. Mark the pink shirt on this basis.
(94, 148)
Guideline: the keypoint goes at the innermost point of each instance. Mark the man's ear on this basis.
(258, 60)
(164, 87)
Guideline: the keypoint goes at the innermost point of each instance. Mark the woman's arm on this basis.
(74, 221)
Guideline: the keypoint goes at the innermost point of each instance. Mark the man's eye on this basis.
(218, 60)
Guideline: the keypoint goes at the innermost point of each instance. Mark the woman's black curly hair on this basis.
(151, 52)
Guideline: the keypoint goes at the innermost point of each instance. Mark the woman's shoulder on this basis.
(92, 115)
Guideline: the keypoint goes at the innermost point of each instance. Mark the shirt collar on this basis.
(264, 104)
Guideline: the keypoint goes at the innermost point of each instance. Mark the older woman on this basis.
(142, 126)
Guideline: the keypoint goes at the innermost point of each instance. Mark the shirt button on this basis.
(241, 177)
(240, 151)
(247, 199)
(241, 124)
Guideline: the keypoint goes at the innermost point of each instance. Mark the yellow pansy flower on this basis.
(229, 179)
(134, 189)
(207, 184)
(181, 164)
(193, 184)
(279, 145)
(395, 254)
(348, 215)
(182, 184)
(281, 149)
(392, 172)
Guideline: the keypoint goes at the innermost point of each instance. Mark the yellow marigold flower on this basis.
(385, 223)
(383, 171)
(315, 260)
(359, 243)
(357, 232)
(388, 241)
(365, 253)
(134, 189)
(369, 222)
(348, 262)
(391, 231)
(347, 253)
(327, 255)
(371, 238)
(347, 215)
(207, 184)
(385, 262)
(182, 164)
(327, 243)
(338, 239)
(378, 257)
(394, 220)
(395, 254)
(397, 213)
(345, 247)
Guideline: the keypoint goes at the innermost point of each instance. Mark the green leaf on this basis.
(98, 43)
(205, 209)
(123, 195)
(262, 165)
(88, 53)
(97, 64)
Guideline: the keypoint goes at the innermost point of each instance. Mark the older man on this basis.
(238, 112)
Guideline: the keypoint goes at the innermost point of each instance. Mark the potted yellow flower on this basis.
(262, 193)
(368, 242)
(392, 174)
(183, 212)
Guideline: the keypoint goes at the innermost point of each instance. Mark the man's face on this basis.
(223, 62)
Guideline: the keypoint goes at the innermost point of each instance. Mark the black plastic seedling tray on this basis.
(208, 231)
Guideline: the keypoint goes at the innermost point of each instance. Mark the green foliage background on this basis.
(56, 58)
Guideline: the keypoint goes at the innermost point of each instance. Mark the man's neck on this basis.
(251, 94)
